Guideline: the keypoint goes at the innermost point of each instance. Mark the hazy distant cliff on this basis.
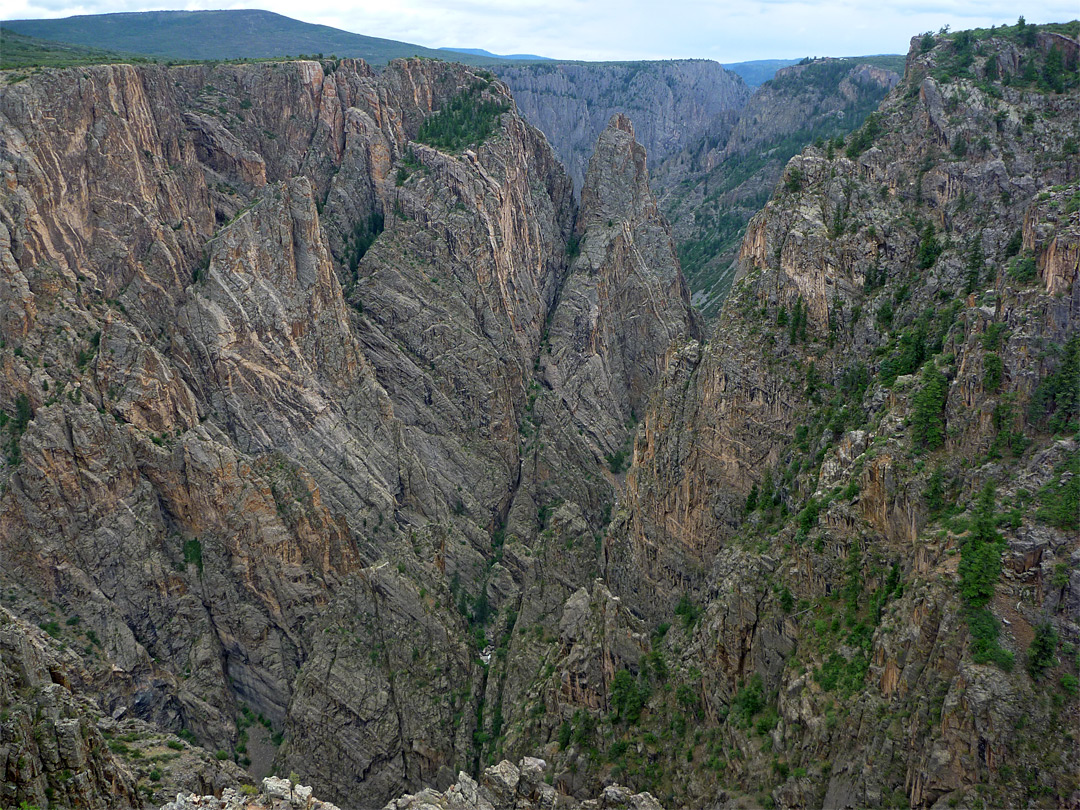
(671, 104)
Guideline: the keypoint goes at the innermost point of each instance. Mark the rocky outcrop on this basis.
(672, 104)
(517, 787)
(624, 307)
(212, 404)
(315, 412)
(777, 461)
(50, 746)
(273, 375)
(711, 188)
(276, 794)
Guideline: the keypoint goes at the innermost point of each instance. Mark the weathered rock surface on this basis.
(48, 732)
(313, 442)
(518, 787)
(671, 104)
(277, 365)
(625, 306)
(276, 794)
(807, 403)
(711, 188)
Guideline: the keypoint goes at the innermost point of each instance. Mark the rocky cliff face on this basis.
(278, 439)
(507, 786)
(318, 393)
(57, 747)
(711, 188)
(624, 298)
(812, 491)
(49, 732)
(671, 104)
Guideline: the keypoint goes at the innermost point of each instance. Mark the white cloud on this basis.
(628, 29)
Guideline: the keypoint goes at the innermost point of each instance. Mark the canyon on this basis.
(346, 436)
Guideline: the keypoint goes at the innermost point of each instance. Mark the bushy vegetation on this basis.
(864, 138)
(928, 417)
(193, 554)
(467, 119)
(929, 248)
(18, 51)
(1055, 404)
(363, 236)
(688, 612)
(628, 697)
(979, 570)
(1049, 72)
(1041, 653)
(1059, 501)
(15, 426)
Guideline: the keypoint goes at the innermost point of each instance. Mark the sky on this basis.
(622, 29)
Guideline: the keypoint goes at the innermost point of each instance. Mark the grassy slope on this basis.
(18, 51)
(221, 35)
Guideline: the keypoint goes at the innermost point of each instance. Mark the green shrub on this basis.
(628, 697)
(467, 119)
(846, 676)
(617, 461)
(980, 568)
(1060, 499)
(16, 426)
(1023, 269)
(748, 701)
(928, 423)
(929, 248)
(808, 517)
(993, 370)
(193, 554)
(565, 730)
(1055, 402)
(787, 601)
(980, 553)
(865, 137)
(1070, 683)
(361, 239)
(688, 611)
(1015, 243)
(1041, 653)
(985, 648)
(935, 490)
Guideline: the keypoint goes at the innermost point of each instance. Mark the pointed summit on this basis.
(617, 182)
(625, 306)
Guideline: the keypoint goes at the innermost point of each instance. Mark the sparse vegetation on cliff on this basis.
(468, 118)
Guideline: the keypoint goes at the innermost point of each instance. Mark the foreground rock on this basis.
(518, 787)
(276, 794)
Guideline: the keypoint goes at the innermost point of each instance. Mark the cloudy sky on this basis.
(623, 29)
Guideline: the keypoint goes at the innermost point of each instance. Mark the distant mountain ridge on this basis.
(258, 34)
(758, 71)
(238, 34)
(527, 57)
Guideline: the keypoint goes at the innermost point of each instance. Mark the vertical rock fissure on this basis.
(389, 674)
